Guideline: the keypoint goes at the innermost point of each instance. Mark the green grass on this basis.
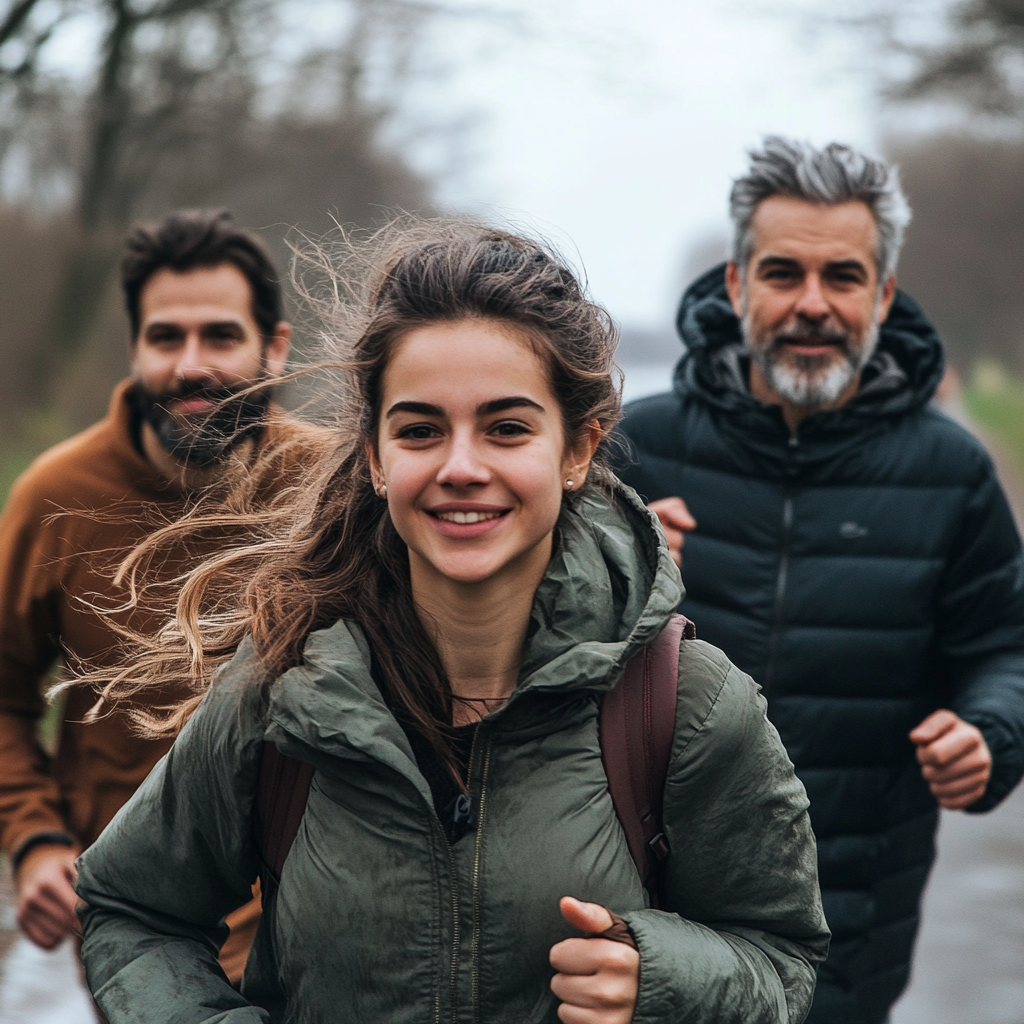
(36, 432)
(994, 399)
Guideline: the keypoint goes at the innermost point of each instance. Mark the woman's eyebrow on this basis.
(486, 409)
(420, 408)
(501, 404)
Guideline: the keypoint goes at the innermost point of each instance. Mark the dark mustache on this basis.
(822, 334)
(214, 393)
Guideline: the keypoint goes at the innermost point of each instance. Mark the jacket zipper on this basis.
(475, 888)
(453, 976)
(453, 892)
(780, 587)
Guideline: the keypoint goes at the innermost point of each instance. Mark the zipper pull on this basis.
(462, 812)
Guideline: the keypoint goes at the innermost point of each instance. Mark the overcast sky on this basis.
(615, 126)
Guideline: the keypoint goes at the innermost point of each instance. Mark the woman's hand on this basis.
(598, 979)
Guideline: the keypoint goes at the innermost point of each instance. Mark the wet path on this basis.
(969, 963)
(37, 987)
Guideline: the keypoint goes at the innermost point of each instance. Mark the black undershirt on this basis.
(451, 803)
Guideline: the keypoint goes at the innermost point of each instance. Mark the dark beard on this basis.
(203, 439)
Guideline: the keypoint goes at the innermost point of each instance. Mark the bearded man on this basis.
(205, 311)
(851, 548)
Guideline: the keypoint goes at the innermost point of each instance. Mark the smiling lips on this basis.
(467, 517)
(466, 522)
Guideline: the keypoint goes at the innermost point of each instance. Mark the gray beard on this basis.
(813, 382)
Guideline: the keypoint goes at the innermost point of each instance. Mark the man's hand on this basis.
(955, 759)
(46, 897)
(598, 979)
(675, 520)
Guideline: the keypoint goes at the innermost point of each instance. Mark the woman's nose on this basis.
(463, 466)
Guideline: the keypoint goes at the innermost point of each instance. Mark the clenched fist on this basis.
(598, 979)
(675, 521)
(46, 897)
(955, 759)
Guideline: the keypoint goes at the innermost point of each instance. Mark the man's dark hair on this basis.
(190, 239)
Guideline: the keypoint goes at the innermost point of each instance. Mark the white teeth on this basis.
(467, 517)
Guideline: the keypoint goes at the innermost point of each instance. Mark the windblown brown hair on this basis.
(326, 548)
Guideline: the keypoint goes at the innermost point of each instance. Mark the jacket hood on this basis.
(901, 376)
(609, 589)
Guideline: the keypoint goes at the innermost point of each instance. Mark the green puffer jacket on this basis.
(378, 918)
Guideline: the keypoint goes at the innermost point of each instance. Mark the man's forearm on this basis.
(30, 798)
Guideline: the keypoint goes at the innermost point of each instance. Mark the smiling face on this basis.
(810, 302)
(199, 344)
(471, 449)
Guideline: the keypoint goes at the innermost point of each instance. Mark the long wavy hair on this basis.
(325, 547)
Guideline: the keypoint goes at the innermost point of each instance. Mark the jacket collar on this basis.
(900, 378)
(609, 589)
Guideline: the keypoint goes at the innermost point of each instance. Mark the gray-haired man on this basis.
(851, 548)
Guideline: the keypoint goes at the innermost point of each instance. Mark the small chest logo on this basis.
(851, 531)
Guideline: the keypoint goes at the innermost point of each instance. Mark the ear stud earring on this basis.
(569, 485)
(382, 491)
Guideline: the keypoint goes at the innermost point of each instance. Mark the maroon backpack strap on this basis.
(280, 804)
(636, 725)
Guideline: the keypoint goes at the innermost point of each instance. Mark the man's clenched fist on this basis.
(46, 895)
(955, 759)
(675, 521)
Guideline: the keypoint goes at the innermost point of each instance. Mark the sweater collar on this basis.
(144, 476)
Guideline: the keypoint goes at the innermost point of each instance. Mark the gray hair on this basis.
(835, 174)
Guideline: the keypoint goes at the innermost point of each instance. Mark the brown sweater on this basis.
(51, 564)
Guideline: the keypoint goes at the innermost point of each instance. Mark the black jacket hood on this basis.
(902, 376)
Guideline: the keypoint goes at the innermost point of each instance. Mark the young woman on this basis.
(438, 617)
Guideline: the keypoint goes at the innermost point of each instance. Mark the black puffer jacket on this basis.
(866, 571)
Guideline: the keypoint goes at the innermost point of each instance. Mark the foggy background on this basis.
(611, 127)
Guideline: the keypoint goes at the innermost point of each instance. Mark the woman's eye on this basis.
(418, 432)
(509, 428)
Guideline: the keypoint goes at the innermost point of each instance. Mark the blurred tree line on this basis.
(964, 257)
(950, 84)
(287, 112)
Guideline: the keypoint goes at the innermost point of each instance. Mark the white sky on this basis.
(615, 126)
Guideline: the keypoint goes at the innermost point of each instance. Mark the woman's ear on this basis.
(577, 460)
(376, 473)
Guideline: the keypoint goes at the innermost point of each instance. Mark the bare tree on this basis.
(182, 103)
(965, 53)
(965, 247)
(980, 64)
(195, 102)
